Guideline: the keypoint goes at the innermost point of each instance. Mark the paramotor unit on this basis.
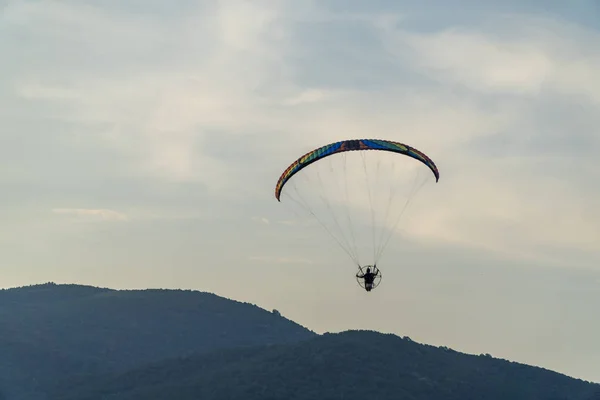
(354, 189)
(368, 277)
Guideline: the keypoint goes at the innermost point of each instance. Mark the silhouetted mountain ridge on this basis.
(47, 292)
(349, 365)
(51, 331)
(80, 342)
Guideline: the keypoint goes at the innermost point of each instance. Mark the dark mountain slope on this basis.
(351, 365)
(49, 332)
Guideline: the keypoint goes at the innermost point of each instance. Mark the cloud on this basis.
(515, 68)
(185, 119)
(295, 222)
(281, 260)
(33, 91)
(310, 96)
(261, 220)
(86, 214)
(526, 56)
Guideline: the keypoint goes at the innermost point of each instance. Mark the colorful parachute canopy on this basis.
(352, 145)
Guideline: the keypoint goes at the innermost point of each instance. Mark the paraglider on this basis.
(368, 279)
(328, 185)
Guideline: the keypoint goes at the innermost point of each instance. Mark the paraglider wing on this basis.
(352, 145)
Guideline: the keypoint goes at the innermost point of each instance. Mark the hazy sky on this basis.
(141, 140)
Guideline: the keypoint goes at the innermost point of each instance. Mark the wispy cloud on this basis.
(527, 56)
(157, 114)
(280, 260)
(160, 119)
(86, 214)
(261, 220)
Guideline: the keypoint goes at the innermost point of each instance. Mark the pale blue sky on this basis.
(140, 143)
